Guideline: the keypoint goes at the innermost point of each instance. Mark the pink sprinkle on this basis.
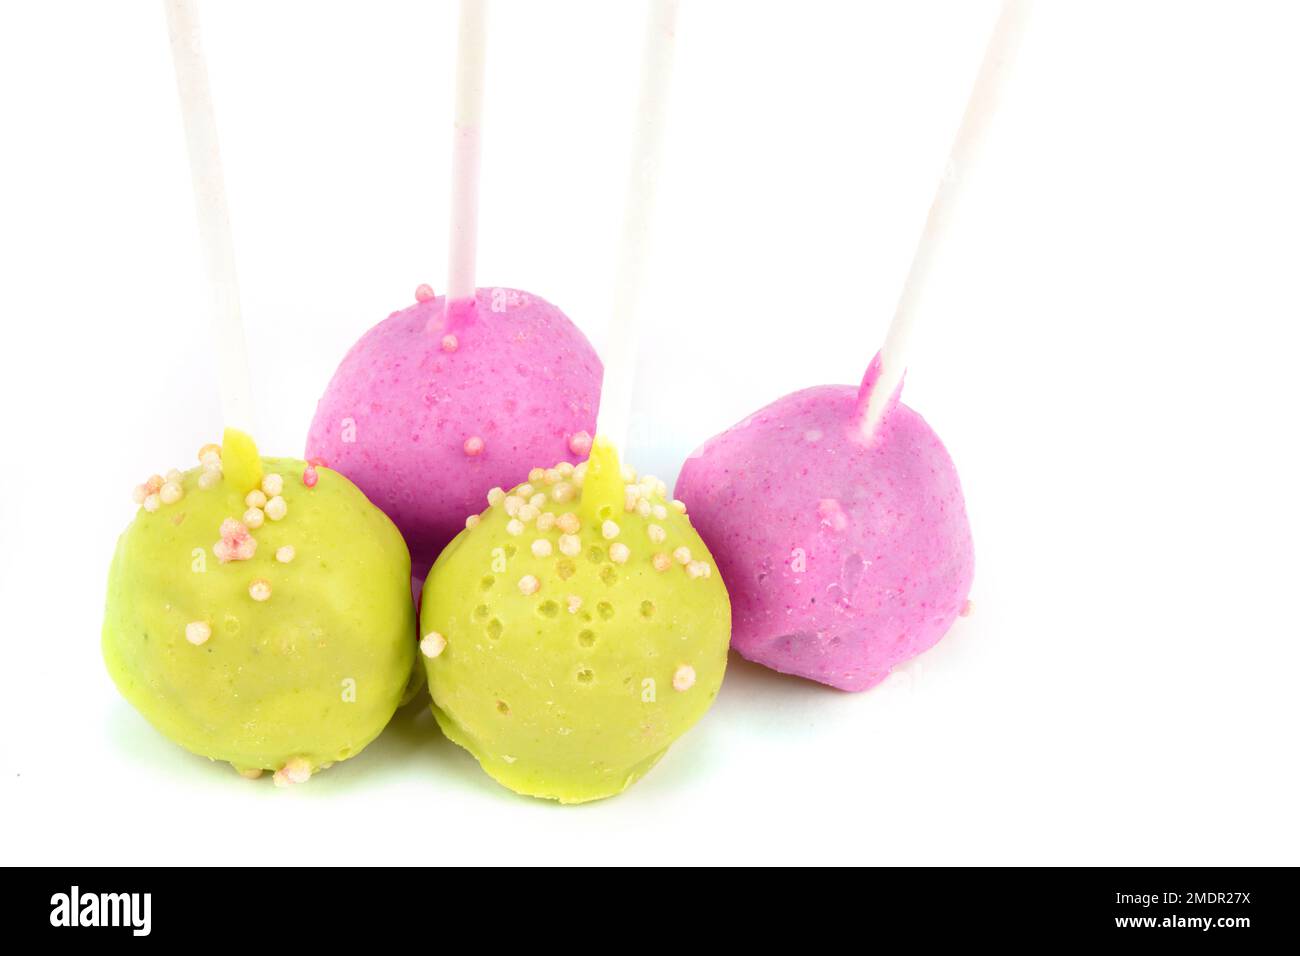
(967, 608)
(309, 477)
(473, 446)
(832, 515)
(423, 292)
(450, 343)
(318, 462)
(580, 444)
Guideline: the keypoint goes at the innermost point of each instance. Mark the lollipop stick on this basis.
(614, 417)
(213, 214)
(983, 100)
(471, 50)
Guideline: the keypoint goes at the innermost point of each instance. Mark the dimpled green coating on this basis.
(313, 673)
(568, 693)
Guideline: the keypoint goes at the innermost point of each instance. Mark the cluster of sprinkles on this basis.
(264, 503)
(296, 770)
(158, 491)
(526, 508)
(210, 460)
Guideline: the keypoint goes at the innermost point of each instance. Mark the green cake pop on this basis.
(259, 612)
(574, 630)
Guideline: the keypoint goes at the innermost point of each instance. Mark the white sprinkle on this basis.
(575, 603)
(208, 479)
(260, 590)
(657, 534)
(546, 521)
(609, 529)
(697, 569)
(529, 584)
(538, 500)
(679, 506)
(570, 545)
(629, 474)
(513, 504)
(551, 476)
(515, 527)
(684, 677)
(495, 495)
(528, 513)
(660, 512)
(661, 561)
(277, 508)
(254, 517)
(255, 499)
(569, 523)
(472, 521)
(682, 555)
(525, 490)
(210, 459)
(272, 485)
(619, 552)
(152, 503)
(563, 492)
(285, 554)
(433, 644)
(197, 632)
(541, 548)
(565, 469)
(171, 492)
(536, 475)
(643, 508)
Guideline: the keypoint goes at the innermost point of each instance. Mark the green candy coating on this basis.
(311, 674)
(573, 705)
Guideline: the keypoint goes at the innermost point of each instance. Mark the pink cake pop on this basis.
(843, 556)
(835, 515)
(458, 394)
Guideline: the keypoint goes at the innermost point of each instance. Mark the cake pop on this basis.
(843, 557)
(259, 609)
(259, 612)
(577, 627)
(836, 514)
(574, 630)
(461, 392)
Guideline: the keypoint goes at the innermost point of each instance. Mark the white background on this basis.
(1108, 351)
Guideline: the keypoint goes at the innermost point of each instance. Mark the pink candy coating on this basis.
(844, 557)
(396, 417)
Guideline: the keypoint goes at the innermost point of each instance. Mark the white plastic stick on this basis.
(471, 51)
(983, 101)
(213, 214)
(614, 418)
